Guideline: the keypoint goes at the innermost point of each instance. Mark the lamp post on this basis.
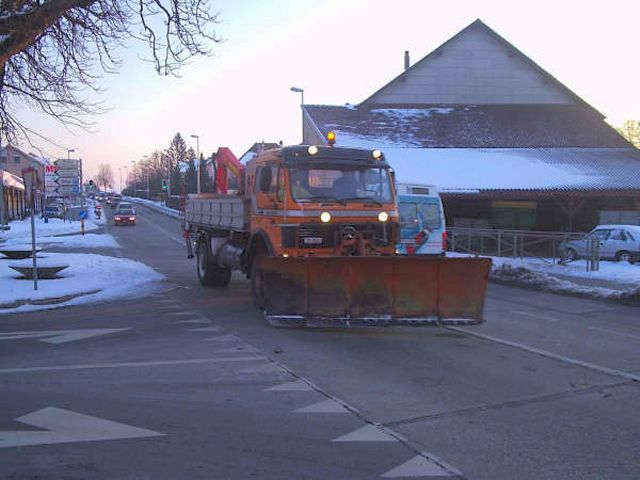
(301, 92)
(135, 178)
(197, 137)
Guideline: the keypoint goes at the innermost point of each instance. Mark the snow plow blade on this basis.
(376, 291)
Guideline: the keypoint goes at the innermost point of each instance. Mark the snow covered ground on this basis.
(21, 229)
(613, 281)
(89, 240)
(89, 278)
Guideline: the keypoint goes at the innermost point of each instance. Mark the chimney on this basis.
(407, 63)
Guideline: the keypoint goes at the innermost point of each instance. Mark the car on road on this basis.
(125, 215)
(115, 200)
(55, 210)
(616, 242)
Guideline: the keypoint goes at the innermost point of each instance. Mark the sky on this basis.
(339, 51)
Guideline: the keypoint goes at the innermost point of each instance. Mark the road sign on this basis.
(64, 426)
(64, 190)
(68, 173)
(64, 163)
(67, 181)
(50, 169)
(82, 215)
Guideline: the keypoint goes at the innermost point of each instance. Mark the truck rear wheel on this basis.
(209, 273)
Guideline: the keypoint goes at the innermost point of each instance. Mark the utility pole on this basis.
(2, 213)
(199, 164)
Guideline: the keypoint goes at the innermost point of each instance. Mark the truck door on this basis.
(266, 188)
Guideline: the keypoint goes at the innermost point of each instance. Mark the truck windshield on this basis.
(371, 185)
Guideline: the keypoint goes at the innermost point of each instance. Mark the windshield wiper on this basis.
(324, 197)
(372, 200)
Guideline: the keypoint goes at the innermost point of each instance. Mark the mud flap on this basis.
(378, 291)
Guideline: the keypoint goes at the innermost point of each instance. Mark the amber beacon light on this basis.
(331, 138)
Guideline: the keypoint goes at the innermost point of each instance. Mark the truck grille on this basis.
(316, 235)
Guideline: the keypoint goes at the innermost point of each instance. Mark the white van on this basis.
(422, 223)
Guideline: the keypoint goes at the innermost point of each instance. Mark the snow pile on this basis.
(614, 281)
(157, 206)
(21, 229)
(90, 240)
(89, 278)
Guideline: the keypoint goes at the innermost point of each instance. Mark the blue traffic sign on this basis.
(82, 215)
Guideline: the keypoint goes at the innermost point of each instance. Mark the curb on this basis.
(532, 280)
(45, 301)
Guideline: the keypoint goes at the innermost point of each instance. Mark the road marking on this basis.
(325, 406)
(368, 433)
(222, 338)
(296, 386)
(60, 336)
(205, 329)
(195, 321)
(92, 366)
(614, 332)
(545, 353)
(64, 426)
(181, 314)
(535, 315)
(421, 466)
(268, 368)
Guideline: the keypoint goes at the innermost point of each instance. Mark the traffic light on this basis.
(91, 183)
(164, 185)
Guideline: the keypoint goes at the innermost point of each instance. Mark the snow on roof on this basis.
(247, 156)
(458, 169)
(11, 180)
(469, 126)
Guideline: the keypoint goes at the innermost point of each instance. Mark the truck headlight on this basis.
(383, 216)
(325, 217)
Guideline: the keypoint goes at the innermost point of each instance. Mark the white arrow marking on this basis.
(419, 466)
(223, 338)
(64, 426)
(195, 321)
(368, 433)
(297, 386)
(60, 336)
(205, 329)
(325, 406)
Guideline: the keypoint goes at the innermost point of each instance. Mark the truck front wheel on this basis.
(256, 284)
(209, 273)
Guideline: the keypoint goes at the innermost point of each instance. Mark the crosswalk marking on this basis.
(368, 433)
(296, 386)
(325, 406)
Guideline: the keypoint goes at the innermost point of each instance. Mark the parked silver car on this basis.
(616, 242)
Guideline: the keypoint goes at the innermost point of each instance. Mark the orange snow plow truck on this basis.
(315, 229)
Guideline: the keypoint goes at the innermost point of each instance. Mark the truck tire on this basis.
(209, 273)
(256, 285)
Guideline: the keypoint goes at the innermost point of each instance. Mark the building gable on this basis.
(475, 67)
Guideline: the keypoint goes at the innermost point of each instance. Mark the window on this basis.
(618, 235)
(16, 159)
(630, 237)
(425, 214)
(601, 234)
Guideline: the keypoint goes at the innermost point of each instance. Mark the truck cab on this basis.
(422, 221)
(321, 201)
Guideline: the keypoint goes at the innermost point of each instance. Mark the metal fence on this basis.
(545, 246)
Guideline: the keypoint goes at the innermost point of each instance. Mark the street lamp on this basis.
(197, 137)
(69, 152)
(301, 92)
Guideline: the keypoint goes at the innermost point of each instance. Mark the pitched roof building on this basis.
(485, 123)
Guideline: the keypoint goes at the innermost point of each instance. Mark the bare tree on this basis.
(104, 177)
(53, 52)
(631, 131)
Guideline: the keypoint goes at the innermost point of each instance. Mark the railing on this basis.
(545, 246)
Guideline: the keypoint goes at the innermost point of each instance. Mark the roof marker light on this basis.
(376, 154)
(331, 138)
(312, 150)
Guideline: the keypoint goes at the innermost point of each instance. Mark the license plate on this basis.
(312, 240)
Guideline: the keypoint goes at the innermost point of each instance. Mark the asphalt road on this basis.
(180, 385)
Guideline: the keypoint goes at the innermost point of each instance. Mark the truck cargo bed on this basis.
(222, 211)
